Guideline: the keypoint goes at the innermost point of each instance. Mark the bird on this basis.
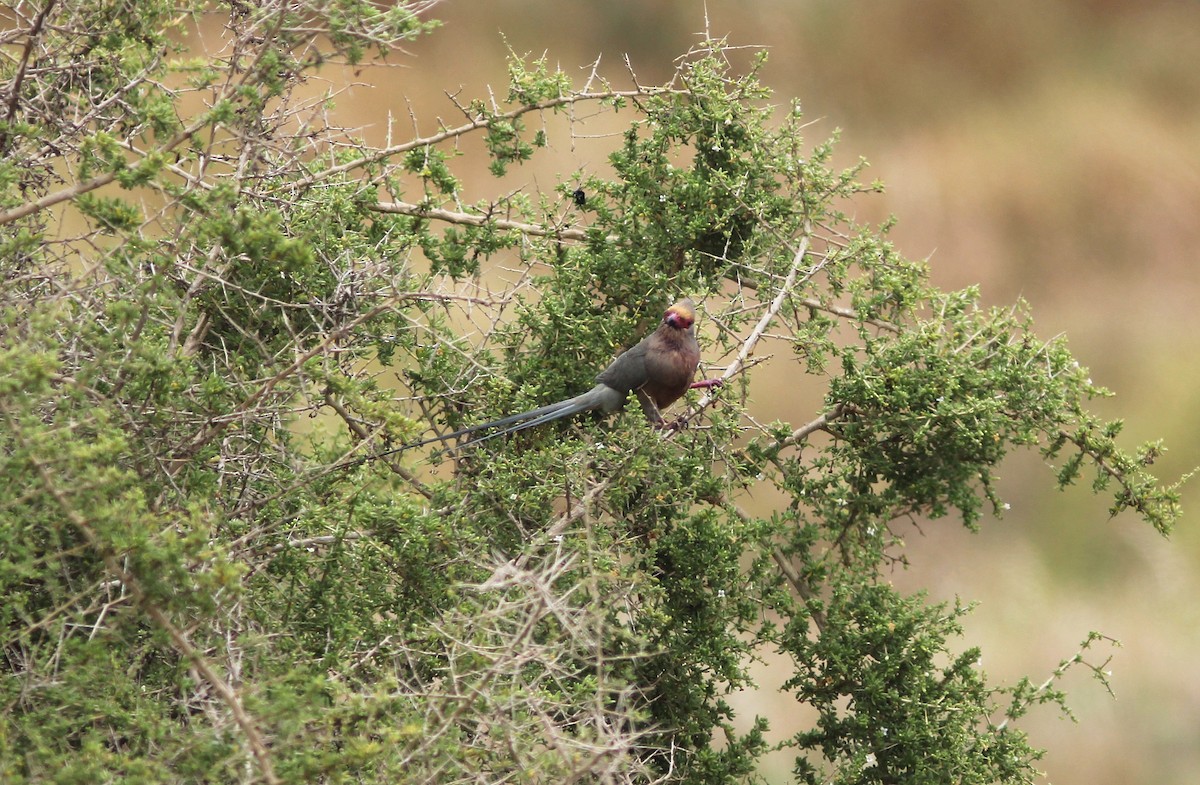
(658, 370)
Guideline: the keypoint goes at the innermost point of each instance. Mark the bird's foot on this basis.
(705, 384)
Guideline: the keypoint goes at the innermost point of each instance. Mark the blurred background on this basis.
(1047, 151)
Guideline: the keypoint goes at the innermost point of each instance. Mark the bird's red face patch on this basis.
(680, 316)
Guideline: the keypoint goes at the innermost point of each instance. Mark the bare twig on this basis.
(14, 94)
(809, 428)
(847, 313)
(469, 219)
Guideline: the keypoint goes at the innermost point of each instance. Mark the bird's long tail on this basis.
(517, 422)
(531, 419)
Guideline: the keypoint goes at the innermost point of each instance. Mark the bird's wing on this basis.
(628, 371)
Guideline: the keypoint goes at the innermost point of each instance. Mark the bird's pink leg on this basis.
(705, 384)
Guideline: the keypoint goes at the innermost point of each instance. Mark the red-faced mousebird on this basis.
(659, 369)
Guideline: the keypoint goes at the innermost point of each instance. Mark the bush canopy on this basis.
(221, 315)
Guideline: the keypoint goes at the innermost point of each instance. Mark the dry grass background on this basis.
(1049, 151)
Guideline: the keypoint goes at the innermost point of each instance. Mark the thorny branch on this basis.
(482, 121)
(54, 485)
(469, 219)
(14, 90)
(493, 641)
(786, 290)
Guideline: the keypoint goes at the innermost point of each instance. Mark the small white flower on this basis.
(662, 197)
(1007, 506)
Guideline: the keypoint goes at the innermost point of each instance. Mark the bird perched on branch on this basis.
(659, 369)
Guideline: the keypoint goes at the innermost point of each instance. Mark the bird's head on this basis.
(681, 315)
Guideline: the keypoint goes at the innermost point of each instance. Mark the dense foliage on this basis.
(220, 315)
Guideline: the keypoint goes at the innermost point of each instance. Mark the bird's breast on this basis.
(670, 366)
